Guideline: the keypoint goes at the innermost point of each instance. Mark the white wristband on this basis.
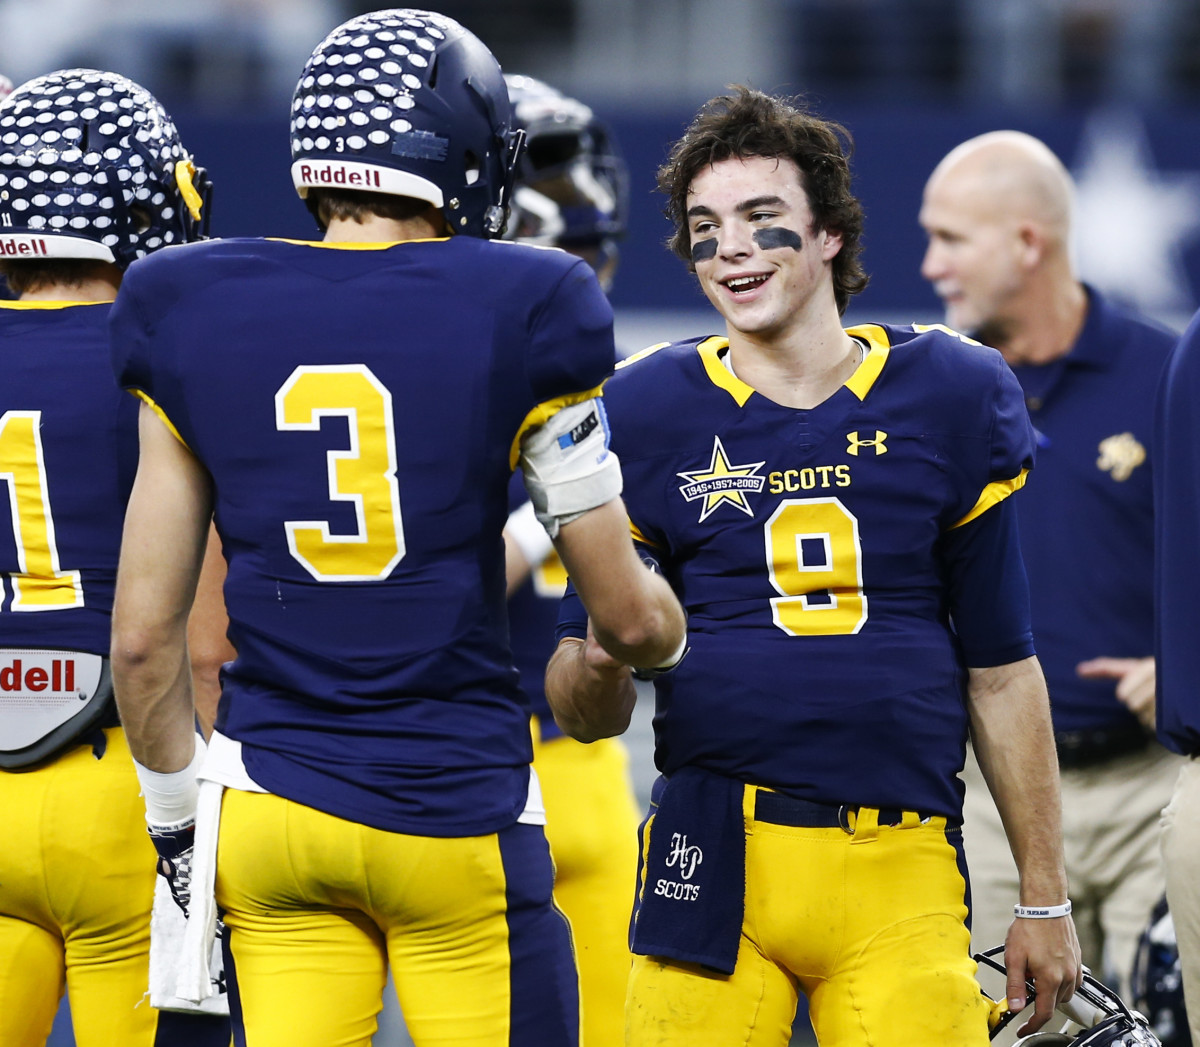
(1043, 912)
(675, 657)
(528, 535)
(171, 796)
(666, 665)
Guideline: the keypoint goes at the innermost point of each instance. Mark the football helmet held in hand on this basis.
(1095, 1016)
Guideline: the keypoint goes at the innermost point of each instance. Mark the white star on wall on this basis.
(1131, 220)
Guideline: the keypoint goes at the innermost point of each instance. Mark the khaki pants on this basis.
(1181, 855)
(1110, 829)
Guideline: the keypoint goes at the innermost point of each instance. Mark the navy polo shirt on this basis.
(1086, 514)
(1177, 505)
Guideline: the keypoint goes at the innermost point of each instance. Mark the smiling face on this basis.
(758, 258)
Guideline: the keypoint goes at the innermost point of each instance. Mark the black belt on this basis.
(1079, 749)
(780, 809)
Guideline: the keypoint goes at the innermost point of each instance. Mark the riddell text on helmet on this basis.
(338, 174)
(13, 247)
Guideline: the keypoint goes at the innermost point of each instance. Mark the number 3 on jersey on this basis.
(40, 585)
(814, 559)
(363, 475)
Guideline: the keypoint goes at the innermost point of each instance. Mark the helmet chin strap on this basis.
(496, 215)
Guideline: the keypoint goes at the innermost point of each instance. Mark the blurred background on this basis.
(1113, 86)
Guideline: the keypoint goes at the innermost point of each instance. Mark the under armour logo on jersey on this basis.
(854, 443)
(687, 858)
(1120, 455)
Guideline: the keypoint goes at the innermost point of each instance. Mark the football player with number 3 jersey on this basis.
(351, 411)
(76, 866)
(833, 508)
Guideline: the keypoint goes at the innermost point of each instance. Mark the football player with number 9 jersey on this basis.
(833, 507)
(351, 411)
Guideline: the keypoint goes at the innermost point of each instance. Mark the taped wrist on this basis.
(171, 797)
(568, 467)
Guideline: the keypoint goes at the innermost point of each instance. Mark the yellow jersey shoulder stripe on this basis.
(641, 354)
(993, 494)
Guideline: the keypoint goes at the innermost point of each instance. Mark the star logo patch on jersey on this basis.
(1120, 455)
(722, 483)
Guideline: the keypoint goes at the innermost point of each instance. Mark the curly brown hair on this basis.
(750, 123)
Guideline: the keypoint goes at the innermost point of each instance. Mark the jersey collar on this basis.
(356, 245)
(859, 383)
(4, 304)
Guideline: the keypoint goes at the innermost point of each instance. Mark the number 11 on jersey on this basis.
(40, 584)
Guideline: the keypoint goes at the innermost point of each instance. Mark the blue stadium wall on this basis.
(895, 151)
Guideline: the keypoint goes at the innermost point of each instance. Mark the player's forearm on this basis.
(207, 629)
(1014, 742)
(589, 702)
(162, 548)
(634, 614)
(152, 678)
(654, 631)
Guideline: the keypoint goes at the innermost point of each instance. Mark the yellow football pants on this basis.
(591, 823)
(871, 927)
(76, 884)
(317, 906)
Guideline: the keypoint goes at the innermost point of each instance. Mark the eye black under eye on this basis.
(778, 236)
(703, 250)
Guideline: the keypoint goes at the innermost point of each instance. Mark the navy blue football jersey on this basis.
(821, 556)
(68, 451)
(360, 412)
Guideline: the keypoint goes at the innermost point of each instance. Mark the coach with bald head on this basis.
(997, 213)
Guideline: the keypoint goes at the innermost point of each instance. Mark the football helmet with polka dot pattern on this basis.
(92, 167)
(408, 103)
